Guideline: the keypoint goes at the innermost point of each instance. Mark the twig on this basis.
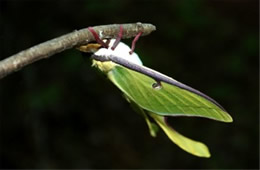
(76, 38)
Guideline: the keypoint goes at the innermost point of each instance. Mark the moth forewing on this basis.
(170, 100)
(157, 76)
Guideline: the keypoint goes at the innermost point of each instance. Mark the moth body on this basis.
(122, 50)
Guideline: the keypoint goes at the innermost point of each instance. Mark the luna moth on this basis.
(153, 94)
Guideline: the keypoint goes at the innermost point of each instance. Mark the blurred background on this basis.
(62, 113)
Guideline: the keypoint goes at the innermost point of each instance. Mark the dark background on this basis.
(61, 113)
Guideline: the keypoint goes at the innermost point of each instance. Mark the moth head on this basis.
(89, 48)
(92, 48)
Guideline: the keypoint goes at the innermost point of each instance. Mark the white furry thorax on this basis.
(122, 50)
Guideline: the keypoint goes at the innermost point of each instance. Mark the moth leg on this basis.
(94, 33)
(120, 34)
(134, 42)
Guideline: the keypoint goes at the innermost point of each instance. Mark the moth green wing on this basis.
(169, 100)
(193, 147)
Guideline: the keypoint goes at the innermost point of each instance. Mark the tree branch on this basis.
(67, 41)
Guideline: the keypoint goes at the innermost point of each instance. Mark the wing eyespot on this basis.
(157, 85)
